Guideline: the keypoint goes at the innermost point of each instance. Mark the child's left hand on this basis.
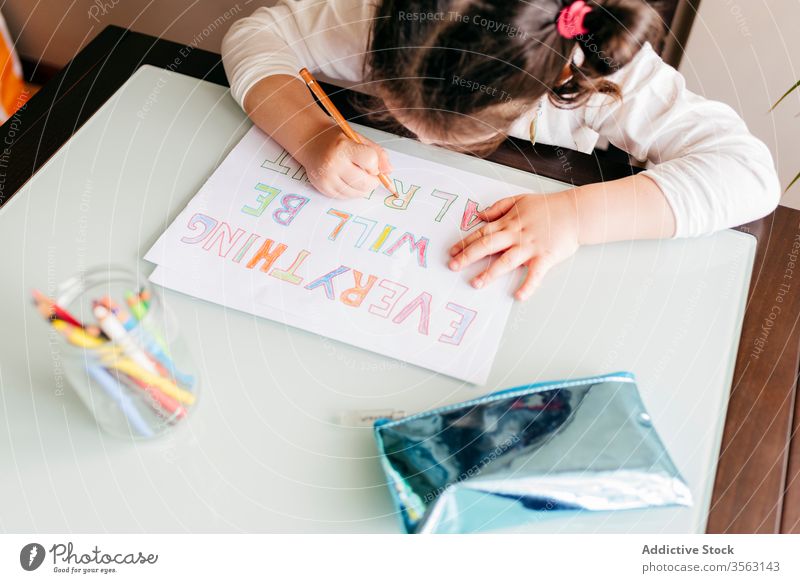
(538, 231)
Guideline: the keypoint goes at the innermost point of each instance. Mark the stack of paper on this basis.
(370, 272)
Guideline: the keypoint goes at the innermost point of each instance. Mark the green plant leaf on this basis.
(792, 88)
(795, 179)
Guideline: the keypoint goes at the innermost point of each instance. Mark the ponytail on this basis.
(611, 34)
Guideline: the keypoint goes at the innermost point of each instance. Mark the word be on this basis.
(291, 204)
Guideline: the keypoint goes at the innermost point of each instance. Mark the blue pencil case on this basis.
(521, 454)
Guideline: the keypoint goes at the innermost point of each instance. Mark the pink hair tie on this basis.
(570, 19)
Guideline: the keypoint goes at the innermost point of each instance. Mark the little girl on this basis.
(467, 73)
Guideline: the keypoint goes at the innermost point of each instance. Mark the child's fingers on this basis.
(506, 263)
(485, 230)
(357, 178)
(483, 247)
(498, 209)
(384, 164)
(365, 157)
(344, 190)
(328, 186)
(537, 268)
(333, 192)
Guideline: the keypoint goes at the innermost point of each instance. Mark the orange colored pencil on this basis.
(51, 310)
(339, 119)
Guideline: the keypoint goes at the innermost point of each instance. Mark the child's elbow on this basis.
(768, 191)
(757, 181)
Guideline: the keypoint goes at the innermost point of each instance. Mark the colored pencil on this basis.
(339, 119)
(77, 335)
(165, 402)
(50, 309)
(115, 391)
(166, 386)
(120, 364)
(116, 331)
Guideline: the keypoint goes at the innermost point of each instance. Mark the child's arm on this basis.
(262, 55)
(713, 172)
(282, 106)
(707, 173)
(540, 231)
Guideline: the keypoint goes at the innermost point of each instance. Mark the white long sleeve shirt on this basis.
(713, 172)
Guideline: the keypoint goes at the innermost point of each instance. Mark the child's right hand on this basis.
(340, 168)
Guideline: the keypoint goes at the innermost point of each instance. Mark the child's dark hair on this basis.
(488, 61)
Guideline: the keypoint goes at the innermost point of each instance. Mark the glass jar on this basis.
(127, 363)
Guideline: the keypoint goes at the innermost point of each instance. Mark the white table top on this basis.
(263, 451)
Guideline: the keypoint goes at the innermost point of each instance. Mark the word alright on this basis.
(286, 165)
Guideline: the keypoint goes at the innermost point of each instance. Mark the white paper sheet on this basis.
(259, 238)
